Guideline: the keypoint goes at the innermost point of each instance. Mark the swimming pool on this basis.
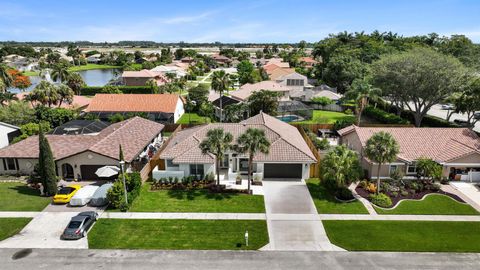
(289, 118)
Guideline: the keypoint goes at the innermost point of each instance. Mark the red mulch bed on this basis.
(417, 196)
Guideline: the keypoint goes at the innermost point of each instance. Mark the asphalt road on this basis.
(437, 111)
(14, 259)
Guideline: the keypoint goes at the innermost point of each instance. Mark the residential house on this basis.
(79, 156)
(167, 69)
(165, 108)
(456, 149)
(221, 60)
(290, 79)
(289, 156)
(78, 102)
(20, 63)
(187, 60)
(94, 58)
(307, 61)
(140, 78)
(7, 133)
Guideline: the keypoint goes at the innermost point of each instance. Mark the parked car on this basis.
(99, 198)
(476, 115)
(448, 107)
(79, 225)
(65, 194)
(461, 122)
(83, 196)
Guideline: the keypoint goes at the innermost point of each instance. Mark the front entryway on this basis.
(67, 171)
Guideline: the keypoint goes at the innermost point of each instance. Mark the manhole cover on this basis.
(22, 253)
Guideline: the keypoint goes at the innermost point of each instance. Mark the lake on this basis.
(93, 77)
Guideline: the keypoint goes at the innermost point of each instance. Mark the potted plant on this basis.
(238, 179)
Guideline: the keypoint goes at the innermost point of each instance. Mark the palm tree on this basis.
(59, 72)
(252, 142)
(65, 93)
(152, 83)
(216, 143)
(381, 148)
(341, 164)
(6, 79)
(75, 82)
(362, 92)
(7, 97)
(220, 83)
(45, 93)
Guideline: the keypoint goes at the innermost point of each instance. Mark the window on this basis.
(197, 170)
(393, 168)
(170, 163)
(412, 169)
(294, 82)
(10, 164)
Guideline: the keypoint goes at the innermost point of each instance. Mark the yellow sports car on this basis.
(66, 193)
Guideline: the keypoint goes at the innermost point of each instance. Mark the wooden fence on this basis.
(314, 168)
(155, 161)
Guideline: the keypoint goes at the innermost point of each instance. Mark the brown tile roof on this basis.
(439, 144)
(287, 145)
(78, 102)
(280, 72)
(144, 73)
(244, 92)
(133, 134)
(166, 103)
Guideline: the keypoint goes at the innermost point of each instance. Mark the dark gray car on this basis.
(79, 225)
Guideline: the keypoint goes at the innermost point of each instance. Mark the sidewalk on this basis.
(144, 215)
(364, 201)
(399, 217)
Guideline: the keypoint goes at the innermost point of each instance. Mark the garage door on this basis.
(282, 170)
(88, 172)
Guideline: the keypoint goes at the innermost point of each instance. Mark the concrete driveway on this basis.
(44, 232)
(292, 219)
(469, 192)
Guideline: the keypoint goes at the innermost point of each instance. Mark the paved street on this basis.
(292, 218)
(138, 260)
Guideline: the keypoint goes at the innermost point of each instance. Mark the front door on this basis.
(243, 164)
(67, 171)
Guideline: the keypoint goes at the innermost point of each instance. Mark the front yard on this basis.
(327, 204)
(198, 200)
(177, 234)
(326, 117)
(434, 204)
(16, 196)
(11, 226)
(404, 236)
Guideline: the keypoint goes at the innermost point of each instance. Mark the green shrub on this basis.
(116, 196)
(381, 200)
(92, 90)
(383, 116)
(404, 193)
(343, 193)
(343, 123)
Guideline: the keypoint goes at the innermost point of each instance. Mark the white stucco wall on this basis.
(179, 110)
(295, 76)
(25, 166)
(85, 158)
(4, 130)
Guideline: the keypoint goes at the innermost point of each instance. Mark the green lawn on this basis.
(12, 226)
(193, 118)
(326, 117)
(327, 204)
(177, 234)
(199, 200)
(414, 236)
(30, 73)
(431, 205)
(91, 66)
(16, 196)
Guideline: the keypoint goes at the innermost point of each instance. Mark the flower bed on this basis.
(412, 189)
(191, 183)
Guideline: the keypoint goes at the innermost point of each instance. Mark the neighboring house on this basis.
(94, 58)
(187, 60)
(290, 79)
(139, 78)
(80, 127)
(308, 94)
(7, 133)
(78, 102)
(289, 156)
(79, 156)
(165, 108)
(307, 61)
(221, 60)
(456, 149)
(178, 71)
(246, 90)
(20, 63)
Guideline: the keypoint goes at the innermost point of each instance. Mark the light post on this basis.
(246, 238)
(122, 163)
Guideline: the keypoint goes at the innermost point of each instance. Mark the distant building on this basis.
(7, 133)
(140, 78)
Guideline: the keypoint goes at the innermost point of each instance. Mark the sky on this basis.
(231, 20)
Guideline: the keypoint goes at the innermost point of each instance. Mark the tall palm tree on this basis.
(216, 143)
(341, 164)
(75, 82)
(6, 79)
(7, 97)
(362, 92)
(252, 142)
(65, 93)
(45, 93)
(59, 72)
(220, 83)
(381, 148)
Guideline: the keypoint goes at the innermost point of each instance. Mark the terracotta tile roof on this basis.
(244, 92)
(280, 72)
(307, 59)
(439, 144)
(78, 102)
(166, 103)
(133, 134)
(144, 73)
(287, 145)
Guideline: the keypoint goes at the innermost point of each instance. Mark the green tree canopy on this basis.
(217, 143)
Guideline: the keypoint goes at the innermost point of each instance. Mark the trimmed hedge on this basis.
(429, 120)
(383, 116)
(92, 90)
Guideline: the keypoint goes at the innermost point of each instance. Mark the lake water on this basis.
(94, 77)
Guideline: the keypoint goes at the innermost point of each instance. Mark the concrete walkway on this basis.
(399, 217)
(292, 218)
(467, 191)
(364, 201)
(140, 215)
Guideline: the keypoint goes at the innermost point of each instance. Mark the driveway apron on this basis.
(292, 219)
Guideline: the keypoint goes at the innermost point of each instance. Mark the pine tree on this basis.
(46, 165)
(121, 153)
